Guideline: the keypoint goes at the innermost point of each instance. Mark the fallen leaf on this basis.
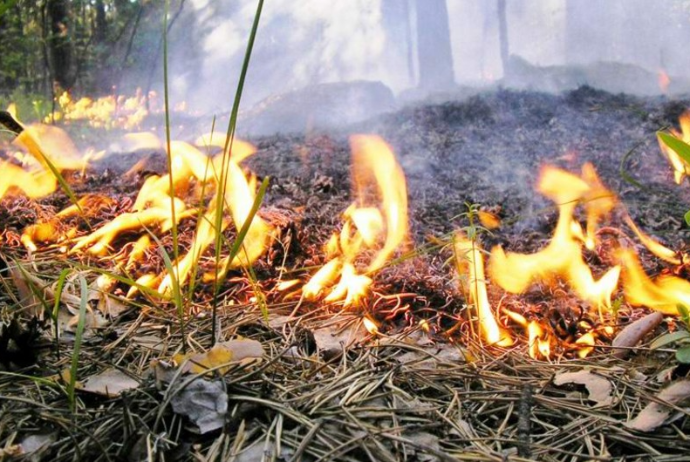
(655, 413)
(111, 383)
(425, 446)
(37, 442)
(27, 297)
(332, 342)
(111, 306)
(598, 387)
(222, 354)
(204, 403)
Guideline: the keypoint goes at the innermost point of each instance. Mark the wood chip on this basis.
(631, 335)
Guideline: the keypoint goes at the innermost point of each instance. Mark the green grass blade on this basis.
(679, 146)
(177, 293)
(232, 123)
(77, 343)
(242, 233)
(56, 306)
(176, 251)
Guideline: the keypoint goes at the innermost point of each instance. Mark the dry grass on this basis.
(398, 397)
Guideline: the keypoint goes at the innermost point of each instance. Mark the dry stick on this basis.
(524, 425)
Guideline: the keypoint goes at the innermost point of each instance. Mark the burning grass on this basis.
(418, 367)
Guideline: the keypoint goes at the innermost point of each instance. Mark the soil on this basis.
(485, 150)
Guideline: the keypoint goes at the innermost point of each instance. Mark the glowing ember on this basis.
(470, 262)
(680, 167)
(380, 226)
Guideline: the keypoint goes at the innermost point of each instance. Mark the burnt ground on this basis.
(485, 150)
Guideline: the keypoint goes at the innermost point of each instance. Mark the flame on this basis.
(664, 81)
(562, 257)
(586, 343)
(110, 111)
(654, 246)
(380, 227)
(370, 326)
(663, 294)
(469, 260)
(680, 167)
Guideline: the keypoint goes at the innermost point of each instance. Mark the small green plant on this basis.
(681, 338)
(681, 148)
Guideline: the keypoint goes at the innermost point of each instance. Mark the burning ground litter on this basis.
(420, 383)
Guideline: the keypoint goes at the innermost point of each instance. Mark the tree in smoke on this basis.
(503, 37)
(434, 51)
(60, 44)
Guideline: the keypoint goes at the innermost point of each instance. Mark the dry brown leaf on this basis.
(598, 387)
(110, 383)
(655, 414)
(204, 403)
(222, 354)
(331, 342)
(633, 333)
(27, 298)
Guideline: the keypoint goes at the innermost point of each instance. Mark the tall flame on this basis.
(470, 261)
(376, 221)
(562, 257)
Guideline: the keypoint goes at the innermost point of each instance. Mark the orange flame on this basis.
(381, 226)
(664, 81)
(46, 147)
(106, 112)
(562, 257)
(469, 260)
(680, 168)
(663, 294)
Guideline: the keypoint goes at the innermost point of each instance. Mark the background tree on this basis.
(434, 52)
(60, 44)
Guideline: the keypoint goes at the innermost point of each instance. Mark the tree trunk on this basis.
(101, 26)
(396, 22)
(503, 38)
(60, 44)
(434, 52)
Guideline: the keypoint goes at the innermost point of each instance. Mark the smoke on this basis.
(554, 45)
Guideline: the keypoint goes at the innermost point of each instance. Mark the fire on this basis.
(680, 167)
(664, 81)
(159, 205)
(106, 112)
(470, 261)
(663, 294)
(46, 149)
(562, 257)
(376, 221)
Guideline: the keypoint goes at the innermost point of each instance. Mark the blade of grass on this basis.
(176, 251)
(177, 294)
(679, 146)
(220, 202)
(77, 344)
(199, 217)
(56, 306)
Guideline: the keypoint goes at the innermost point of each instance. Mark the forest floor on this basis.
(325, 388)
